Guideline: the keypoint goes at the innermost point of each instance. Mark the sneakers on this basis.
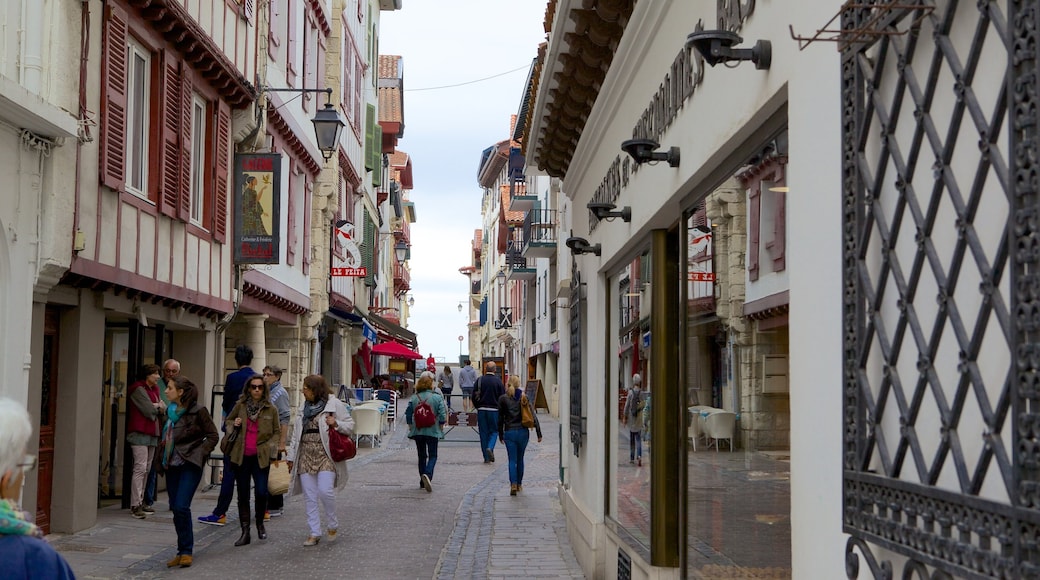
(273, 514)
(426, 483)
(214, 520)
(332, 534)
(267, 516)
(137, 512)
(148, 509)
(312, 541)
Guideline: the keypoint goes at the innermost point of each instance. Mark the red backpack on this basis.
(423, 415)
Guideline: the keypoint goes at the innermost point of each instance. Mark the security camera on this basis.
(716, 46)
(580, 246)
(605, 211)
(645, 150)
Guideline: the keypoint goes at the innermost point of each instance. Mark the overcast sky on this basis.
(445, 43)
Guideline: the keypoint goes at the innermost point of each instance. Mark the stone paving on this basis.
(469, 527)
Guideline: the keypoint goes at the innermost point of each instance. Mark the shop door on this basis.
(48, 406)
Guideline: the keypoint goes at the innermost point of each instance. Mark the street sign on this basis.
(702, 276)
(350, 272)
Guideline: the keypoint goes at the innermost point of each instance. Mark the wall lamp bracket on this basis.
(605, 211)
(645, 151)
(581, 246)
(328, 123)
(716, 46)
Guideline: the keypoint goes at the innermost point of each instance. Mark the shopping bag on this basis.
(278, 478)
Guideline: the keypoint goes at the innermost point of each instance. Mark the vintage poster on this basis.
(257, 208)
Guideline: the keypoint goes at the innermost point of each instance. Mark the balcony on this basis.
(519, 198)
(539, 234)
(401, 229)
(517, 267)
(402, 279)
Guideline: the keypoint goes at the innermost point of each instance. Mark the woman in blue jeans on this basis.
(512, 432)
(188, 437)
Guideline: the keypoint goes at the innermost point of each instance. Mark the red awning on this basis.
(395, 349)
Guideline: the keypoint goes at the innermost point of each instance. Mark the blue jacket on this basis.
(490, 388)
(233, 385)
(437, 402)
(30, 557)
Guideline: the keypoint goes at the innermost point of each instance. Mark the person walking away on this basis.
(485, 400)
(426, 415)
(632, 417)
(446, 381)
(467, 380)
(233, 385)
(257, 421)
(143, 434)
(188, 437)
(512, 432)
(26, 554)
(280, 400)
(170, 369)
(312, 470)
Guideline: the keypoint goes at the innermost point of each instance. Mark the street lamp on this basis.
(401, 249)
(411, 301)
(328, 123)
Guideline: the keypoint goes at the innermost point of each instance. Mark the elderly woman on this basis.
(188, 437)
(312, 470)
(426, 437)
(255, 419)
(25, 553)
(142, 432)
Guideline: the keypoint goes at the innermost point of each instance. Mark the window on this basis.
(138, 105)
(197, 189)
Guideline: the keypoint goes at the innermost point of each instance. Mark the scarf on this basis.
(311, 410)
(517, 393)
(253, 408)
(15, 522)
(173, 413)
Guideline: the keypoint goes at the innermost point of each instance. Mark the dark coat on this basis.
(194, 437)
(489, 388)
(509, 416)
(31, 557)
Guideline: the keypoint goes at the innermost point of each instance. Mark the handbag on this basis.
(229, 441)
(341, 447)
(278, 478)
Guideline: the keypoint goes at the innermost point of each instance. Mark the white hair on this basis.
(15, 430)
(636, 379)
(428, 374)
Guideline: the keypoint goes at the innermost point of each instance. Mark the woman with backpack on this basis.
(632, 417)
(426, 415)
(516, 416)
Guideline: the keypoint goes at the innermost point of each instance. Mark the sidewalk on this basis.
(389, 528)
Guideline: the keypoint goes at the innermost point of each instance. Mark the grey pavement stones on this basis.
(389, 527)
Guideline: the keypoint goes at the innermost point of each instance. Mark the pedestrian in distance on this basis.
(446, 381)
(512, 431)
(312, 470)
(426, 415)
(631, 416)
(188, 437)
(280, 400)
(467, 380)
(233, 386)
(256, 420)
(25, 553)
(486, 393)
(142, 433)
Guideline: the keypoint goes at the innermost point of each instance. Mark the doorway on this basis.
(48, 408)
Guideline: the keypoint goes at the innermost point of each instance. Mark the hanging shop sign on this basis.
(258, 194)
(350, 272)
(350, 265)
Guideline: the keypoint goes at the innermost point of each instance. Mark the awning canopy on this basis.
(395, 349)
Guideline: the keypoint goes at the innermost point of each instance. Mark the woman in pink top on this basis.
(255, 420)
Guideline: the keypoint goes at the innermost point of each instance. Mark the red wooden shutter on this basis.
(223, 169)
(170, 154)
(780, 233)
(290, 250)
(308, 68)
(187, 112)
(274, 39)
(113, 111)
(308, 194)
(290, 43)
(754, 227)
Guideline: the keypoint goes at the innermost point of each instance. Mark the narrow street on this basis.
(469, 527)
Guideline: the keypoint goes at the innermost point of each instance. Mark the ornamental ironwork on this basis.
(941, 289)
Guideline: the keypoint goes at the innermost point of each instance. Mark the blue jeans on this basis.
(427, 447)
(487, 424)
(181, 483)
(635, 445)
(516, 443)
(227, 488)
(250, 469)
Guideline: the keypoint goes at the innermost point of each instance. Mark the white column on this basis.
(256, 339)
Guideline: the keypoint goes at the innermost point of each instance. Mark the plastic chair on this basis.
(720, 425)
(696, 429)
(367, 423)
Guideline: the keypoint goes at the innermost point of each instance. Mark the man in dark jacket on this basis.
(485, 399)
(233, 385)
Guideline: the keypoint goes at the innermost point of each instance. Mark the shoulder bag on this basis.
(341, 447)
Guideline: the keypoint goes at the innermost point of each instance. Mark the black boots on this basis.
(243, 517)
(261, 533)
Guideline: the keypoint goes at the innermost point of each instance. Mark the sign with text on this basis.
(702, 276)
(350, 272)
(258, 189)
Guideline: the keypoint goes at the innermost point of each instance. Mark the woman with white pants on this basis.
(314, 473)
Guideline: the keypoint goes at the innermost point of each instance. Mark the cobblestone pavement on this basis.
(469, 527)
